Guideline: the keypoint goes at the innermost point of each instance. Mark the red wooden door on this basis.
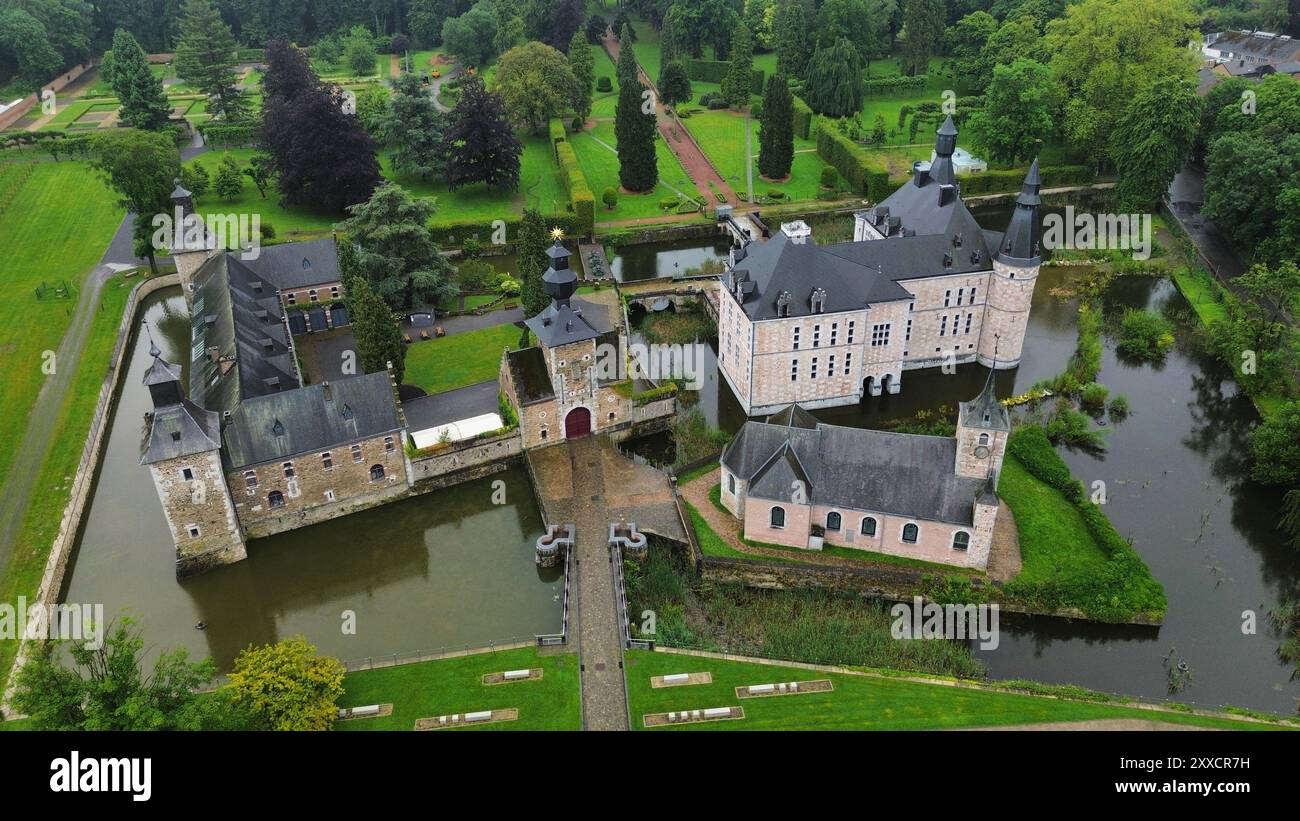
(577, 423)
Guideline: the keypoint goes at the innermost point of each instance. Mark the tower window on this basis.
(356, 453)
(947, 297)
(187, 474)
(193, 530)
(250, 478)
(834, 521)
(288, 470)
(312, 295)
(327, 460)
(984, 438)
(388, 444)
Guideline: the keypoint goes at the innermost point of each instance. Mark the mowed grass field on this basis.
(53, 486)
(56, 228)
(1054, 541)
(436, 688)
(857, 702)
(461, 359)
(721, 135)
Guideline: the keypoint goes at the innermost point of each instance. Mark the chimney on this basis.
(327, 390)
(798, 231)
(947, 260)
(921, 172)
(946, 194)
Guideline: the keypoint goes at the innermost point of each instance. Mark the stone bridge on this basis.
(590, 483)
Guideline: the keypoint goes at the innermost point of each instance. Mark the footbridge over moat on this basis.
(590, 483)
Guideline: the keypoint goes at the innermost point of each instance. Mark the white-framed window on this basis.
(291, 298)
(275, 499)
(947, 297)
(907, 336)
(388, 444)
(830, 365)
(969, 319)
(356, 453)
(193, 530)
(288, 470)
(960, 540)
(852, 328)
(796, 338)
(329, 495)
(817, 335)
(313, 296)
(911, 533)
(813, 369)
(334, 292)
(972, 295)
(794, 370)
(776, 518)
(959, 293)
(327, 460)
(731, 483)
(835, 331)
(250, 478)
(984, 438)
(187, 474)
(943, 325)
(868, 526)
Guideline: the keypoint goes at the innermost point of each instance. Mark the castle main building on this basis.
(921, 285)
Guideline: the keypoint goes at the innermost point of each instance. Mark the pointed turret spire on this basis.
(985, 410)
(182, 198)
(945, 143)
(1021, 240)
(559, 280)
(162, 378)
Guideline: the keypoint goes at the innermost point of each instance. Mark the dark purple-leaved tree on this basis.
(480, 143)
(319, 150)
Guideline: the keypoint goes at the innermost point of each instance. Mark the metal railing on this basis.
(562, 637)
(620, 597)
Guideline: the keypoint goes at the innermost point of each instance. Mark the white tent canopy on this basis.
(457, 431)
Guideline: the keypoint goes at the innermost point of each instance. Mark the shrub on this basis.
(1070, 427)
(829, 177)
(776, 193)
(604, 84)
(713, 71)
(867, 174)
(268, 231)
(610, 198)
(581, 199)
(803, 119)
(1094, 396)
(1119, 408)
(1145, 335)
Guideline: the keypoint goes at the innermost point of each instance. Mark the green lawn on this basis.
(45, 511)
(458, 360)
(857, 702)
(290, 222)
(1054, 541)
(721, 134)
(56, 228)
(600, 165)
(435, 688)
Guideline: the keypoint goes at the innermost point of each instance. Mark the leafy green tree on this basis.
(634, 128)
(472, 35)
(424, 20)
(776, 131)
(1152, 140)
(480, 143)
(1226, 93)
(739, 79)
(1105, 52)
(864, 23)
(144, 104)
(1019, 112)
(359, 51)
(966, 42)
(532, 260)
(25, 46)
(108, 688)
(584, 75)
(789, 29)
(413, 129)
(1246, 174)
(626, 68)
(230, 180)
(834, 83)
(536, 83)
(205, 58)
(923, 22)
(287, 686)
(1275, 447)
(261, 171)
(675, 85)
(195, 178)
(396, 250)
(379, 340)
(141, 167)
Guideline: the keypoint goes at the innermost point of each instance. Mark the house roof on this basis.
(568, 321)
(294, 265)
(894, 473)
(985, 411)
(240, 345)
(530, 376)
(1258, 45)
(310, 419)
(183, 429)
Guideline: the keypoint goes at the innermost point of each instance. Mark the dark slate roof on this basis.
(571, 320)
(282, 425)
(1271, 49)
(985, 411)
(238, 314)
(531, 377)
(161, 371)
(793, 416)
(894, 473)
(294, 265)
(183, 429)
(1021, 241)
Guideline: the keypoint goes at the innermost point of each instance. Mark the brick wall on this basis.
(301, 298)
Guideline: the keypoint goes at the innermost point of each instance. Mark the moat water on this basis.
(443, 570)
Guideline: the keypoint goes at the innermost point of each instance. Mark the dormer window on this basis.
(818, 300)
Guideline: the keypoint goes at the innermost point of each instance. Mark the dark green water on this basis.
(446, 569)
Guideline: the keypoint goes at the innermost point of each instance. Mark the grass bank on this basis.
(863, 702)
(455, 685)
(458, 360)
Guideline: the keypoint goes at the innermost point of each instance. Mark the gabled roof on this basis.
(1258, 45)
(894, 473)
(240, 345)
(294, 265)
(308, 420)
(573, 320)
(793, 416)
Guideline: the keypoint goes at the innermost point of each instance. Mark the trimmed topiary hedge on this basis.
(224, 135)
(866, 174)
(992, 182)
(803, 119)
(886, 85)
(582, 200)
(558, 135)
(712, 71)
(455, 233)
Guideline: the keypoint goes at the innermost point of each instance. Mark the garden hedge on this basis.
(581, 198)
(712, 71)
(454, 234)
(224, 135)
(886, 85)
(558, 135)
(867, 174)
(803, 119)
(992, 182)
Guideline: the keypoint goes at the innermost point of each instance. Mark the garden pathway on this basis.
(679, 140)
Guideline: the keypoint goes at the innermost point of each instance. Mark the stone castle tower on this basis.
(182, 448)
(1011, 287)
(189, 259)
(983, 425)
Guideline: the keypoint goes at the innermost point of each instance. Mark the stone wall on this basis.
(29, 102)
(1011, 293)
(301, 298)
(462, 456)
(322, 486)
(199, 511)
